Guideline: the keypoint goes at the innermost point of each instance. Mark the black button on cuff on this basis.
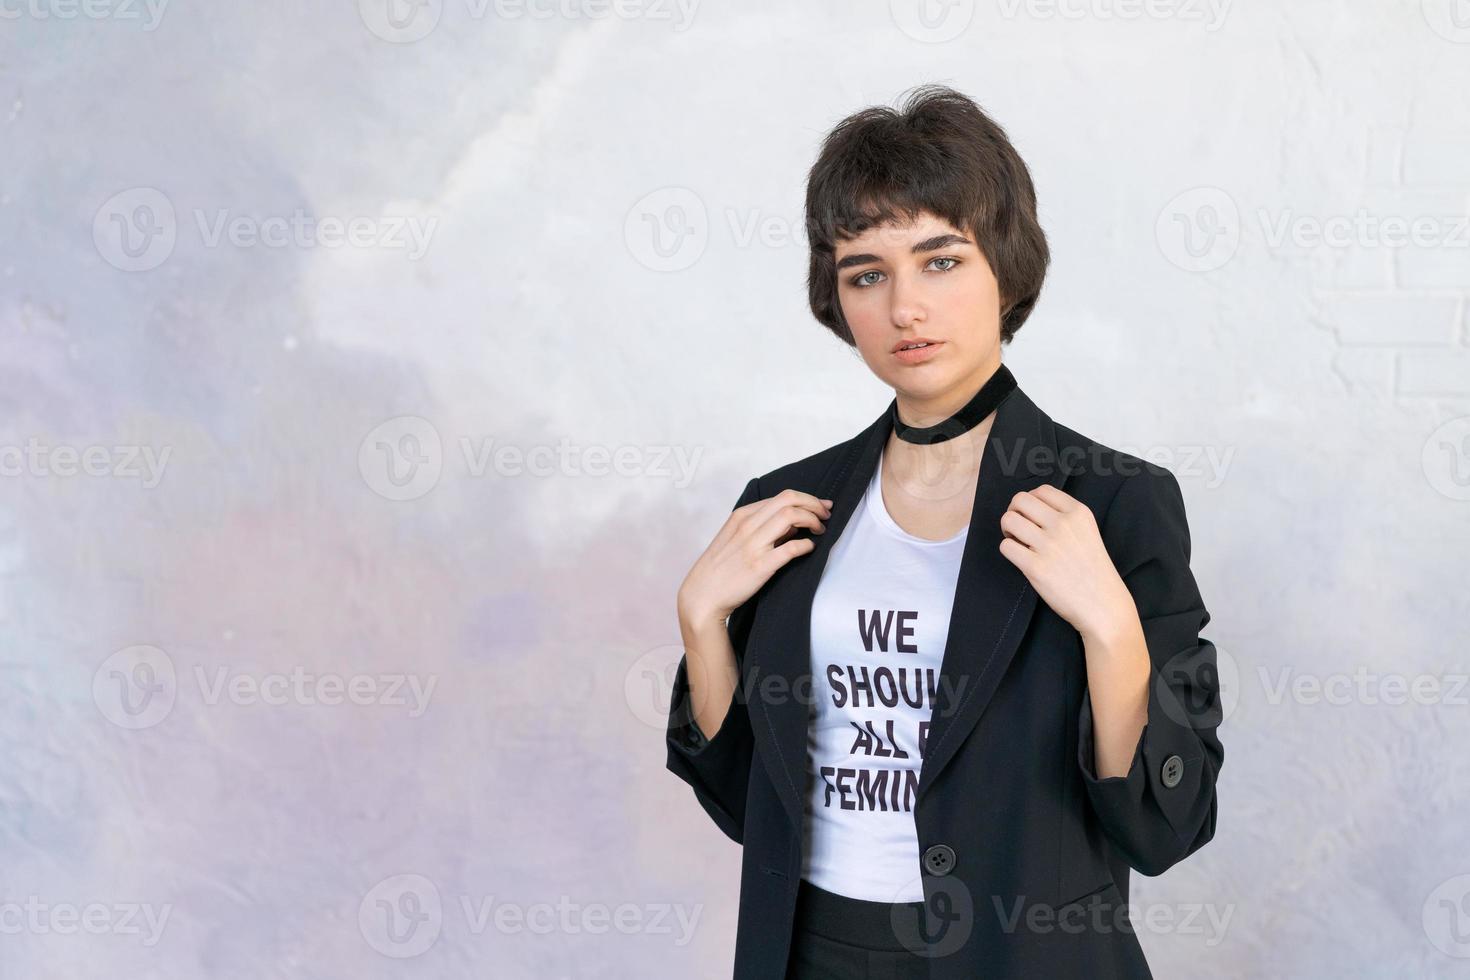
(1172, 771)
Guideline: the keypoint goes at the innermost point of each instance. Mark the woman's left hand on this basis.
(1053, 539)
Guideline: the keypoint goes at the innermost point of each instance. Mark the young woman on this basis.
(944, 680)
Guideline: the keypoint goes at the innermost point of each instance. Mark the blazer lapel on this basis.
(993, 601)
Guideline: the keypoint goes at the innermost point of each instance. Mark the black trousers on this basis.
(841, 938)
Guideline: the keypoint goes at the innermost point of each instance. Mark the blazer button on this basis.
(1172, 771)
(939, 859)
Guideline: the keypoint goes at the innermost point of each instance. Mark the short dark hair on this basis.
(940, 153)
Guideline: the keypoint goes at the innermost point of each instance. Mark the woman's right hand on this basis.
(755, 541)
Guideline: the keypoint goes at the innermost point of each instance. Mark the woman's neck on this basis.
(926, 411)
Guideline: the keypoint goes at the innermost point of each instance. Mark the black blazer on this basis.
(1025, 852)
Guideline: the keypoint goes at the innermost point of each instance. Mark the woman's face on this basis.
(925, 280)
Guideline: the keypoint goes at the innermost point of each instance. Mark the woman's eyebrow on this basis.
(927, 245)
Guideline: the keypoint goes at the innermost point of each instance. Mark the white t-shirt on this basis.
(880, 617)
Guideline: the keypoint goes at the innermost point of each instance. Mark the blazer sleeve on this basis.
(1164, 809)
(718, 769)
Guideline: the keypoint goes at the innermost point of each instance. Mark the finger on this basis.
(791, 497)
(1058, 499)
(780, 555)
(1021, 528)
(1016, 553)
(779, 524)
(1041, 513)
(756, 512)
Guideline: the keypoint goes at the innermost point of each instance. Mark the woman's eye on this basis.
(863, 279)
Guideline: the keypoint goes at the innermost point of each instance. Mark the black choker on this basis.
(974, 412)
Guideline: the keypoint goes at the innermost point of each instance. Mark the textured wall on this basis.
(372, 374)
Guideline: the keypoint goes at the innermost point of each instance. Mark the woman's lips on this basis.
(918, 355)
